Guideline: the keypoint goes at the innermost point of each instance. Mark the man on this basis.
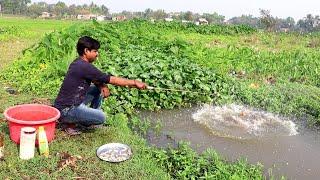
(77, 90)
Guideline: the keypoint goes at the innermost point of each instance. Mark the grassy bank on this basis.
(84, 162)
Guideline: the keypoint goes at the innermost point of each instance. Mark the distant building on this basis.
(168, 19)
(101, 18)
(185, 21)
(284, 30)
(46, 15)
(203, 21)
(119, 18)
(108, 18)
(316, 23)
(87, 16)
(174, 14)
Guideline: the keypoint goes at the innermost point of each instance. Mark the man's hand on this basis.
(105, 92)
(139, 84)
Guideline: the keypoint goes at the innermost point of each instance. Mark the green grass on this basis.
(35, 28)
(23, 33)
(284, 57)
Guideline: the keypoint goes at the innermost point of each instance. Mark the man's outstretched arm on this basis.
(118, 81)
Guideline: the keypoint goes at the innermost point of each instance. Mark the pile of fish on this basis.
(115, 154)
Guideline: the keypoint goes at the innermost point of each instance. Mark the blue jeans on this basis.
(84, 115)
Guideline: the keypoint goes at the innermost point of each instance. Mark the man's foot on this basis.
(72, 131)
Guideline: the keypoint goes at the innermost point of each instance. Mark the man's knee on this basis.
(101, 118)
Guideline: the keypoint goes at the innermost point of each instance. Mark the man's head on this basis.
(87, 47)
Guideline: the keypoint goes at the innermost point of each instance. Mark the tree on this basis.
(246, 20)
(159, 14)
(178, 16)
(188, 16)
(60, 9)
(214, 18)
(267, 20)
(72, 10)
(22, 6)
(94, 8)
(127, 14)
(287, 23)
(14, 6)
(35, 9)
(148, 13)
(309, 23)
(104, 10)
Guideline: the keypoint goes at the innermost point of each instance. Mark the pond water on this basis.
(241, 132)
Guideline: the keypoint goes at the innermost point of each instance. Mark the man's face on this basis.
(91, 54)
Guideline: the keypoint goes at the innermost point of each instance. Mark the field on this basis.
(275, 72)
(21, 33)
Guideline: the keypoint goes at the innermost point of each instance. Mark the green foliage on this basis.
(133, 50)
(10, 30)
(184, 163)
(210, 29)
(7, 32)
(290, 99)
(293, 66)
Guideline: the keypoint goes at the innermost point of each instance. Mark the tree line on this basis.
(266, 21)
(60, 9)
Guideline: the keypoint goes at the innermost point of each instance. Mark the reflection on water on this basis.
(243, 122)
(267, 138)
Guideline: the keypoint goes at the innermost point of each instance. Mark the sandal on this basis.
(72, 131)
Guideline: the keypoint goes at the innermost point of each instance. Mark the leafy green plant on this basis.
(184, 163)
(122, 54)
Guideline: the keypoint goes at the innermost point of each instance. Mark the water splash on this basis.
(242, 122)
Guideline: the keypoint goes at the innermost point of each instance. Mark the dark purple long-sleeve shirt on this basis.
(77, 82)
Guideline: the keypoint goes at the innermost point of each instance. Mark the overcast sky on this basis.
(229, 8)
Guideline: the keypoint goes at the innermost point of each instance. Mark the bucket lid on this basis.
(28, 130)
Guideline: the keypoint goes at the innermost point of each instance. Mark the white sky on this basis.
(229, 8)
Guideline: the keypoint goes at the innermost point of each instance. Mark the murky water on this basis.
(237, 131)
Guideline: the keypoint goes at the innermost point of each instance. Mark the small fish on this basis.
(116, 154)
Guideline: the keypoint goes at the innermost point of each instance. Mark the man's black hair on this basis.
(87, 42)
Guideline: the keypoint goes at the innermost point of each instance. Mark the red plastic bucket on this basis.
(32, 115)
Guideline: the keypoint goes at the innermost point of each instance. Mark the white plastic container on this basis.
(27, 142)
